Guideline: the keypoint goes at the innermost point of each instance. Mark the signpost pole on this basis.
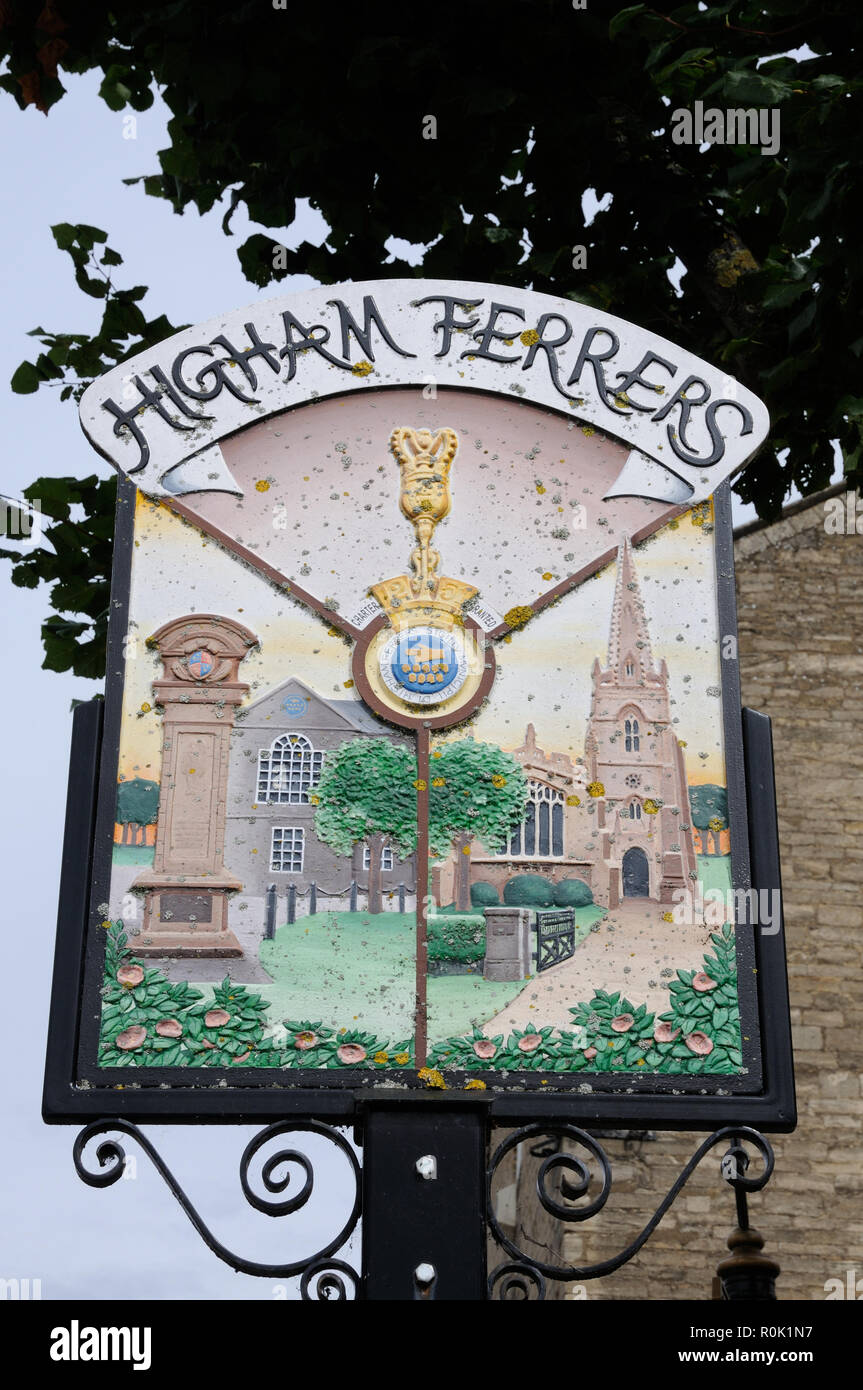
(424, 1202)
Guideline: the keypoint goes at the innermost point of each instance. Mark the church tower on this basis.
(643, 819)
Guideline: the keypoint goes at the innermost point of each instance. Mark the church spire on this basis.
(628, 638)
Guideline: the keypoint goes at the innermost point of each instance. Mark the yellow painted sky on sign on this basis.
(544, 671)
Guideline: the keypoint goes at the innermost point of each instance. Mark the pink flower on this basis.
(590, 1053)
(702, 983)
(530, 1042)
(351, 1053)
(484, 1047)
(622, 1023)
(305, 1040)
(699, 1043)
(216, 1018)
(664, 1033)
(131, 1038)
(130, 975)
(169, 1028)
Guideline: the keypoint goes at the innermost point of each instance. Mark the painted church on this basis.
(633, 838)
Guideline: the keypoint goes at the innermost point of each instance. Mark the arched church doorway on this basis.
(636, 874)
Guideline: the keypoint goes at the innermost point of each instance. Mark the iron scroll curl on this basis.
(321, 1275)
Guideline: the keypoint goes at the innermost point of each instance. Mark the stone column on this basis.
(186, 908)
(507, 943)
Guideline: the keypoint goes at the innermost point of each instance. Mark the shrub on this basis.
(484, 894)
(571, 892)
(456, 937)
(528, 890)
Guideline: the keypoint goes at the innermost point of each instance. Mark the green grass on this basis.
(133, 854)
(714, 871)
(457, 1002)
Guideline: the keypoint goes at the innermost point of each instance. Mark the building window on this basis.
(288, 770)
(635, 810)
(540, 835)
(629, 668)
(386, 857)
(630, 734)
(286, 850)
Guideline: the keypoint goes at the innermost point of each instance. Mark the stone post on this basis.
(507, 943)
(186, 908)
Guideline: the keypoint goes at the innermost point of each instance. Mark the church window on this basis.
(635, 810)
(540, 834)
(286, 849)
(386, 857)
(631, 736)
(288, 770)
(629, 668)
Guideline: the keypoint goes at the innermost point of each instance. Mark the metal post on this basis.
(292, 903)
(353, 895)
(424, 1198)
(270, 919)
(313, 898)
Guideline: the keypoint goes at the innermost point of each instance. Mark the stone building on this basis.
(616, 843)
(799, 581)
(277, 753)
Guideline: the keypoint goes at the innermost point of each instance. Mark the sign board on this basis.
(422, 757)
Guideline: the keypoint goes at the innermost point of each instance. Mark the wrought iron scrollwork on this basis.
(322, 1276)
(576, 1176)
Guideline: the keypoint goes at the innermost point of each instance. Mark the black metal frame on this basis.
(76, 1090)
(550, 948)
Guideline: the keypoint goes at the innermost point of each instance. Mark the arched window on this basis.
(288, 769)
(540, 835)
(629, 667)
(634, 810)
(631, 736)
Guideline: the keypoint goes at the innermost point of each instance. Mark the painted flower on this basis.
(622, 1023)
(382, 1058)
(595, 789)
(476, 1085)
(243, 1057)
(589, 1053)
(131, 1038)
(484, 1047)
(216, 1018)
(530, 1042)
(703, 984)
(437, 755)
(420, 784)
(351, 1054)
(305, 1040)
(438, 781)
(498, 780)
(130, 975)
(402, 1058)
(699, 1043)
(665, 1033)
(169, 1028)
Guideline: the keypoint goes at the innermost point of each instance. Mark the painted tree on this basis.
(709, 806)
(476, 792)
(367, 795)
(137, 806)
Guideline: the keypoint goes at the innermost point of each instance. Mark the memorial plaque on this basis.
(422, 757)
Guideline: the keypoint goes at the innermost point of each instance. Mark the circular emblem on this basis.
(295, 705)
(424, 665)
(201, 664)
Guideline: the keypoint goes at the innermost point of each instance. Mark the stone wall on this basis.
(801, 659)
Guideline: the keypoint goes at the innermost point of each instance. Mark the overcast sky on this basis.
(131, 1240)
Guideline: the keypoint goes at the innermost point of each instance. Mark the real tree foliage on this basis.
(709, 806)
(534, 102)
(477, 792)
(367, 795)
